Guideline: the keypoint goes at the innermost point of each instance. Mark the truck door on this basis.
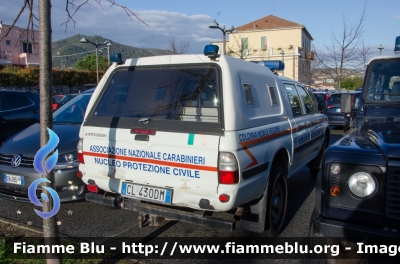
(315, 124)
(301, 132)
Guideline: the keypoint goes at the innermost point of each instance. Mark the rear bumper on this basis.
(68, 186)
(188, 216)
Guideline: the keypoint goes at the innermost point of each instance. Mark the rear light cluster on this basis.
(228, 171)
(92, 188)
(330, 106)
(80, 151)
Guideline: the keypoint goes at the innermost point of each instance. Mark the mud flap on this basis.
(254, 219)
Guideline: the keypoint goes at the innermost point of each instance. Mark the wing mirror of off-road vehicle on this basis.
(345, 103)
(322, 105)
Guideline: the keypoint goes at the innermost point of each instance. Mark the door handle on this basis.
(142, 137)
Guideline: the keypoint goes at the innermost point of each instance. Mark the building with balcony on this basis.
(20, 47)
(274, 38)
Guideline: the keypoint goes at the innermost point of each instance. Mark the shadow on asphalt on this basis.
(144, 240)
(300, 187)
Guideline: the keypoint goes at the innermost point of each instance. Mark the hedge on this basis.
(16, 76)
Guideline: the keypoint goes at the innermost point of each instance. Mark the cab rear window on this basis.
(169, 93)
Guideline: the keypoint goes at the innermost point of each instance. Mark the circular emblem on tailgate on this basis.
(16, 161)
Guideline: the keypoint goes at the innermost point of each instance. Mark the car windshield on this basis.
(320, 96)
(335, 98)
(57, 99)
(67, 98)
(73, 111)
(383, 81)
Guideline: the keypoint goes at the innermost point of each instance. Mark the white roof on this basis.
(395, 55)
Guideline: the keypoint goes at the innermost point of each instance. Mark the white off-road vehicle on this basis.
(183, 136)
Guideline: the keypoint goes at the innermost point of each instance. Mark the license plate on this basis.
(13, 179)
(146, 193)
(338, 110)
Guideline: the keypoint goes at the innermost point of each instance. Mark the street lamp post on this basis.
(283, 54)
(380, 48)
(214, 24)
(108, 43)
(84, 40)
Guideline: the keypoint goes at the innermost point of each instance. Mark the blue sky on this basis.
(180, 19)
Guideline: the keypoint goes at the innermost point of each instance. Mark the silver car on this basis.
(18, 152)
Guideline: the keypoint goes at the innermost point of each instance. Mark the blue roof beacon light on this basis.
(116, 57)
(273, 65)
(211, 51)
(397, 45)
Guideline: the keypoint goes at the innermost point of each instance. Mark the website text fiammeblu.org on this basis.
(172, 249)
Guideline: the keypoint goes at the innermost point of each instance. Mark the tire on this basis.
(277, 200)
(345, 128)
(314, 170)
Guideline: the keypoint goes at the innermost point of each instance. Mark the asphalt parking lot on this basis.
(84, 219)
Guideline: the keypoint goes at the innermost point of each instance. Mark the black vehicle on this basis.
(18, 110)
(358, 187)
(65, 99)
(17, 155)
(322, 95)
(334, 114)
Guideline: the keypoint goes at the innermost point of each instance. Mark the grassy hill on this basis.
(67, 52)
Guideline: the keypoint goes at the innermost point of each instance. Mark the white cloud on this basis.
(113, 23)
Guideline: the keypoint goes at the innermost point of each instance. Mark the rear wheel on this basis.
(277, 200)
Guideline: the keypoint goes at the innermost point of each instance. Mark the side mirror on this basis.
(345, 103)
(322, 105)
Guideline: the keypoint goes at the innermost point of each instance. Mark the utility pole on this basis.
(50, 230)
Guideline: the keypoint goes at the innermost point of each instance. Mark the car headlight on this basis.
(67, 161)
(362, 184)
(68, 157)
(71, 156)
(335, 168)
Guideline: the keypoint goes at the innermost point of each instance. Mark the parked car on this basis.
(182, 143)
(321, 95)
(18, 110)
(65, 99)
(335, 116)
(357, 198)
(17, 176)
(56, 100)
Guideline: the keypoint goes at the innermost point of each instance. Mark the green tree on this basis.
(352, 83)
(89, 63)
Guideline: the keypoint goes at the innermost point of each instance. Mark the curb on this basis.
(22, 226)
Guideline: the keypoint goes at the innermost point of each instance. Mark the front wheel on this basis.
(277, 201)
